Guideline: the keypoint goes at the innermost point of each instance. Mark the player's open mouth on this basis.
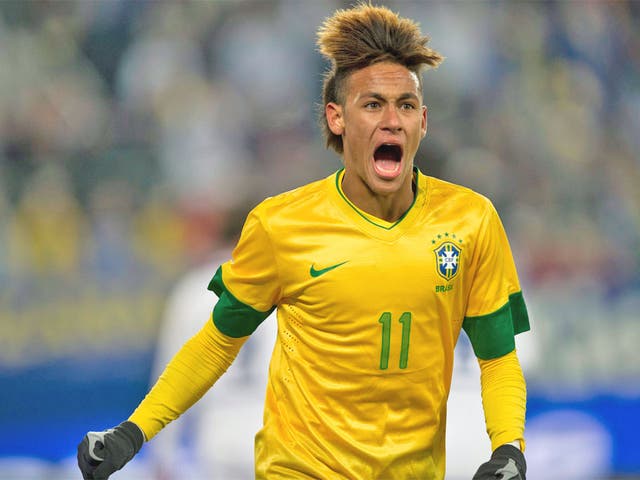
(387, 160)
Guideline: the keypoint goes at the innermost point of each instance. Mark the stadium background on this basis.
(133, 132)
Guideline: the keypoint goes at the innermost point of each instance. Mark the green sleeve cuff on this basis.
(231, 316)
(492, 335)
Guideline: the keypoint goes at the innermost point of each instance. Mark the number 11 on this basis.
(385, 321)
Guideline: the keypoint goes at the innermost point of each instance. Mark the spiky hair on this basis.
(361, 36)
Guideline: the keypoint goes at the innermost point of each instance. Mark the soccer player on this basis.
(373, 272)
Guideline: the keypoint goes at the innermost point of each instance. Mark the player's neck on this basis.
(388, 207)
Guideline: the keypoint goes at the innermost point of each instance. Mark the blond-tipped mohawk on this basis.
(366, 34)
(361, 36)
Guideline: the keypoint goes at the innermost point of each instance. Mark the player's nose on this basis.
(391, 119)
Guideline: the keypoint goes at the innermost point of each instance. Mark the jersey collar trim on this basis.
(372, 220)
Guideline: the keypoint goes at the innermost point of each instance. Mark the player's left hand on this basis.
(507, 463)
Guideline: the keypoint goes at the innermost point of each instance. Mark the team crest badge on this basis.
(447, 260)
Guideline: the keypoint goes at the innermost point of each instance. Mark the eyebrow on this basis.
(378, 96)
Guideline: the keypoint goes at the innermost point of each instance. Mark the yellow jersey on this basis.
(368, 313)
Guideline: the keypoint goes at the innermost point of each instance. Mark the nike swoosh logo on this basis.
(96, 438)
(509, 471)
(316, 273)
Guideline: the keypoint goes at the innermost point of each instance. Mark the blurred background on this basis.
(135, 135)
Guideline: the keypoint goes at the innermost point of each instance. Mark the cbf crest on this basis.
(448, 260)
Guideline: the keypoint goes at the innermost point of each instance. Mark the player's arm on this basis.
(252, 274)
(496, 312)
(188, 376)
(504, 399)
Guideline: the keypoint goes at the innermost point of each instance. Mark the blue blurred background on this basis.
(132, 133)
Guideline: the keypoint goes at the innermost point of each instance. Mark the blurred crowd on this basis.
(135, 133)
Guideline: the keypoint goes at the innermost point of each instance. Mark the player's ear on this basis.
(425, 121)
(335, 118)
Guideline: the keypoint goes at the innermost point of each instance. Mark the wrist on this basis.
(515, 443)
(511, 452)
(134, 433)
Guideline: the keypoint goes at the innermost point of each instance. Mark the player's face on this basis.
(381, 123)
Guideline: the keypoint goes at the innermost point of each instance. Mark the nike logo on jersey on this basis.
(316, 273)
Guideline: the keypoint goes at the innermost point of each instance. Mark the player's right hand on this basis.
(102, 453)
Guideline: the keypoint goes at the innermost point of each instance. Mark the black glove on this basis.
(507, 463)
(102, 453)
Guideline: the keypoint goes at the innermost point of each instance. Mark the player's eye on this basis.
(408, 106)
(372, 105)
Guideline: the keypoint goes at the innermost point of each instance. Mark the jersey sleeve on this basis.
(496, 310)
(188, 376)
(247, 286)
(504, 399)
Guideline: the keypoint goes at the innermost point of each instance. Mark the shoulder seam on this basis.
(268, 233)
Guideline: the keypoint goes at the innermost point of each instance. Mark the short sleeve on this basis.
(496, 310)
(248, 285)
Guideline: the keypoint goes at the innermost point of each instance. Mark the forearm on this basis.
(186, 378)
(504, 398)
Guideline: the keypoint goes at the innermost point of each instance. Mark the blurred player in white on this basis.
(467, 443)
(215, 437)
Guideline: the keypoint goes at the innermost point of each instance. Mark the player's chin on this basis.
(385, 186)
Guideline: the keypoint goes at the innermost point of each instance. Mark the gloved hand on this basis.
(507, 463)
(102, 453)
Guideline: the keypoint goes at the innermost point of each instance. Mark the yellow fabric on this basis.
(367, 324)
(504, 398)
(188, 376)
